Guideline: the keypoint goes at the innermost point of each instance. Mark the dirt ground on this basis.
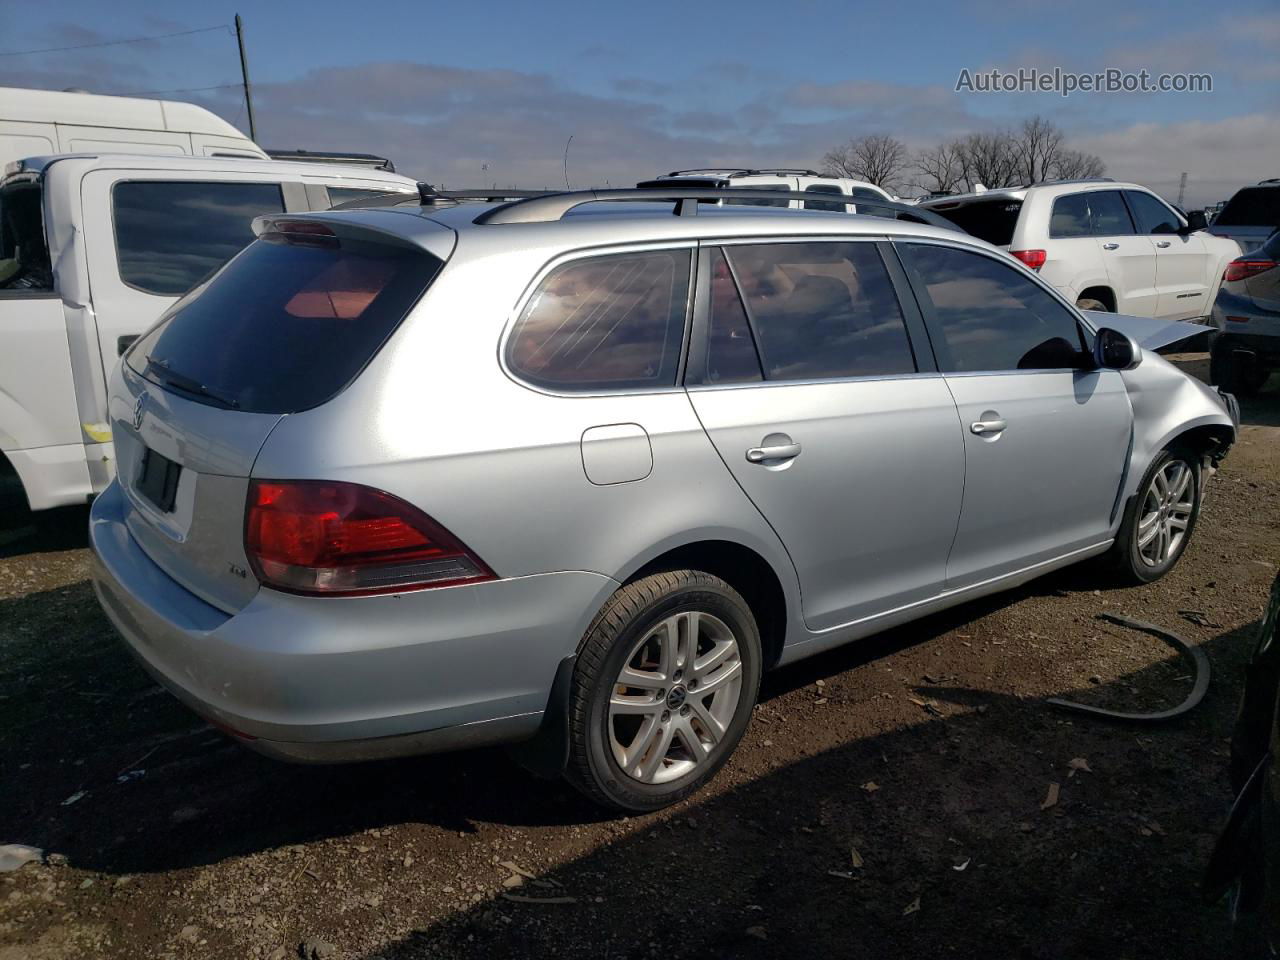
(889, 800)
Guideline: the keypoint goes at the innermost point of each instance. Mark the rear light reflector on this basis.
(1242, 269)
(1032, 258)
(322, 537)
(1237, 319)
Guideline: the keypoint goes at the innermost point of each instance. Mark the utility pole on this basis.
(1182, 189)
(244, 75)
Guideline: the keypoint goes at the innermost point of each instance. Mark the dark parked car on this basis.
(1251, 215)
(1246, 861)
(1247, 315)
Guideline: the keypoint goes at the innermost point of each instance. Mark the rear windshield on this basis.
(286, 325)
(1252, 207)
(989, 220)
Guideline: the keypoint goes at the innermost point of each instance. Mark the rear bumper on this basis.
(338, 679)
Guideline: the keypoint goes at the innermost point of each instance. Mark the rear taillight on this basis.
(1243, 269)
(322, 537)
(1032, 258)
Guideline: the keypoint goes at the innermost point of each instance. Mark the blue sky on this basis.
(470, 93)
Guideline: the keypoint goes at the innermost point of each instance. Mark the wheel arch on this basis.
(1102, 293)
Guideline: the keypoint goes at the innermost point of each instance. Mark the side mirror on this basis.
(1195, 221)
(1113, 350)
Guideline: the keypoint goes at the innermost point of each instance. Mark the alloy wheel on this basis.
(1167, 507)
(675, 697)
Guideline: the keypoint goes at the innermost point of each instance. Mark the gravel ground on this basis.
(890, 799)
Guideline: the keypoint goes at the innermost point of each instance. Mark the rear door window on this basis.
(818, 311)
(172, 234)
(1070, 217)
(605, 323)
(1151, 214)
(989, 316)
(287, 324)
(1108, 214)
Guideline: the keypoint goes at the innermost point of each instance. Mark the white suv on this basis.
(773, 178)
(1107, 246)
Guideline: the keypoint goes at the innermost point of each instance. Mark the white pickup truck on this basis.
(93, 249)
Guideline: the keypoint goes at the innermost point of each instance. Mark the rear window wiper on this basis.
(188, 384)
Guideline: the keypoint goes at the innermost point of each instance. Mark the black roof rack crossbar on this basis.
(549, 207)
(747, 171)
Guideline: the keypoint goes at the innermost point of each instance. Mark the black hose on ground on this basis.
(1198, 689)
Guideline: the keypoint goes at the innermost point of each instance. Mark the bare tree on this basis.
(876, 158)
(1075, 165)
(1037, 148)
(988, 159)
(939, 169)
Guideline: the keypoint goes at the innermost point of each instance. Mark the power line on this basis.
(152, 93)
(112, 43)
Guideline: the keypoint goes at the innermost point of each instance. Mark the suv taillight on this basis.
(1243, 269)
(323, 537)
(1032, 258)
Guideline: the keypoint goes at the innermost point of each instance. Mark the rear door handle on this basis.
(1162, 244)
(1111, 246)
(779, 451)
(983, 427)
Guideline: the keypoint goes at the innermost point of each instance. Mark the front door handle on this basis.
(776, 451)
(1111, 246)
(987, 427)
(1162, 244)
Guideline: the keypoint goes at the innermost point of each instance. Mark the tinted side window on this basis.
(758, 186)
(823, 204)
(1070, 217)
(1110, 215)
(170, 235)
(731, 351)
(605, 323)
(339, 195)
(1252, 207)
(862, 193)
(822, 310)
(1152, 215)
(990, 317)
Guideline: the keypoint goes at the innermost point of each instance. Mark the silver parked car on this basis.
(575, 472)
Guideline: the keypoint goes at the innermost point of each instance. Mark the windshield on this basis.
(1251, 207)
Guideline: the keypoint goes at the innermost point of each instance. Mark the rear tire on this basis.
(663, 688)
(1160, 518)
(1088, 303)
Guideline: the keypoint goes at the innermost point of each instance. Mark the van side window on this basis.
(24, 255)
(822, 310)
(172, 234)
(824, 204)
(612, 322)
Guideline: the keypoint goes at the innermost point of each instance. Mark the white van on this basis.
(93, 249)
(43, 122)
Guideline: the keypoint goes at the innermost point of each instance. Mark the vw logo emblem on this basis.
(137, 410)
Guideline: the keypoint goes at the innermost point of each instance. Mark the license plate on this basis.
(158, 480)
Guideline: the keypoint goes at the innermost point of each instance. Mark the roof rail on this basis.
(1044, 183)
(1269, 180)
(335, 156)
(549, 207)
(746, 171)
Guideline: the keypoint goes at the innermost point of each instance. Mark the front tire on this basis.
(663, 688)
(1160, 519)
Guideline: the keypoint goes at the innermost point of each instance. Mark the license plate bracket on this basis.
(158, 480)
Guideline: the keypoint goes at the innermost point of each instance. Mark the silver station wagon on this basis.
(572, 471)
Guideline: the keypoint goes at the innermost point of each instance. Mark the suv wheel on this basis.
(1242, 376)
(1159, 521)
(1088, 303)
(663, 688)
